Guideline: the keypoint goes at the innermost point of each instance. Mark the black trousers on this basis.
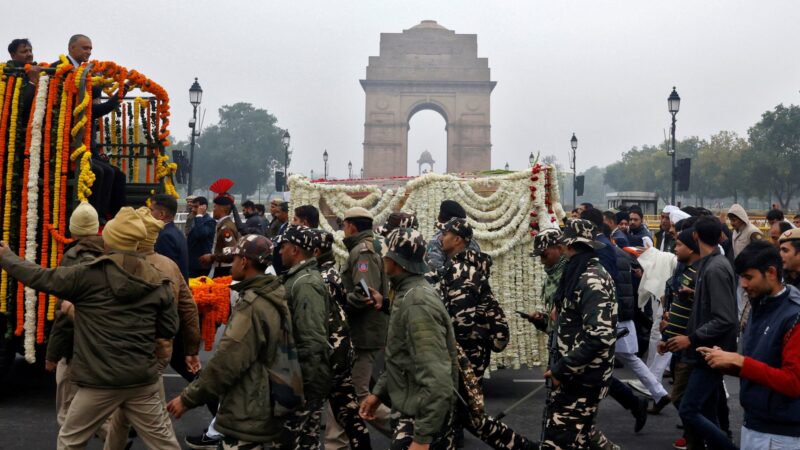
(624, 395)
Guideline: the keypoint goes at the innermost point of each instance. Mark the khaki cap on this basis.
(357, 213)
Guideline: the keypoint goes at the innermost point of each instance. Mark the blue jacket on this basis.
(200, 240)
(607, 256)
(771, 318)
(172, 244)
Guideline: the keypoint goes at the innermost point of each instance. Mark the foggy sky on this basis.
(601, 69)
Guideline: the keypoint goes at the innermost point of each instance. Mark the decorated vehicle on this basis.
(46, 143)
(505, 209)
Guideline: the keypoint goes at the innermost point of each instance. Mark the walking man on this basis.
(226, 235)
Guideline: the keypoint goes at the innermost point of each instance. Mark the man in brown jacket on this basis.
(122, 304)
(187, 313)
(225, 236)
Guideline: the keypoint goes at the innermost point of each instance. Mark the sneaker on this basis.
(203, 441)
(637, 386)
(640, 414)
(661, 404)
(680, 444)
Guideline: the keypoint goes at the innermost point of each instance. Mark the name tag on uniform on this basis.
(363, 267)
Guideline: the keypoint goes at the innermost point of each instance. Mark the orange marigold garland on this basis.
(213, 300)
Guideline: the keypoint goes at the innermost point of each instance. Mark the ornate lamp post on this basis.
(362, 173)
(350, 170)
(195, 97)
(674, 104)
(531, 159)
(286, 140)
(574, 145)
(325, 160)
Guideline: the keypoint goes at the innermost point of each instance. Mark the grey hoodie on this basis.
(748, 234)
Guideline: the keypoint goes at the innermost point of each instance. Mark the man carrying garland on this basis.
(122, 305)
(309, 304)
(342, 408)
(421, 358)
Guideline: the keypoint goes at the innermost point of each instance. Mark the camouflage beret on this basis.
(544, 240)
(322, 240)
(254, 247)
(406, 247)
(580, 231)
(459, 227)
(299, 235)
(790, 235)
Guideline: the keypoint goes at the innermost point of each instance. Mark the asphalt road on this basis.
(27, 411)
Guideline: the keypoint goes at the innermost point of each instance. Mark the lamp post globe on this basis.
(325, 160)
(350, 169)
(195, 94)
(531, 159)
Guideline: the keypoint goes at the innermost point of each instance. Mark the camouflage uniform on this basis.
(584, 349)
(395, 220)
(478, 320)
(342, 398)
(309, 302)
(435, 257)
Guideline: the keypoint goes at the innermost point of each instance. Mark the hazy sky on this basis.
(602, 69)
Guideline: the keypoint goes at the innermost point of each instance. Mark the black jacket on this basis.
(172, 244)
(714, 319)
(199, 242)
(626, 298)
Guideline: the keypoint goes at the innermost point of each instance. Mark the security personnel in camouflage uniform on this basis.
(226, 235)
(368, 324)
(435, 256)
(421, 360)
(551, 254)
(585, 336)
(478, 320)
(395, 220)
(309, 303)
(237, 372)
(342, 400)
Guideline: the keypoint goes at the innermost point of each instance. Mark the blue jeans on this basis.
(699, 405)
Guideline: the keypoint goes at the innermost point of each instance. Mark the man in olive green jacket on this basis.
(421, 373)
(308, 300)
(237, 374)
(122, 305)
(364, 316)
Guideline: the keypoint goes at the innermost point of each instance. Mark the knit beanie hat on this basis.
(83, 221)
(124, 231)
(152, 225)
(449, 209)
(687, 239)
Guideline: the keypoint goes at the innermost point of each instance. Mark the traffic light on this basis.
(683, 173)
(579, 185)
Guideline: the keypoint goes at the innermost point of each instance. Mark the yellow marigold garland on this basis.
(87, 177)
(137, 129)
(3, 288)
(12, 137)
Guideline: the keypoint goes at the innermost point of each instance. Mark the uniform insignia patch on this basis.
(363, 267)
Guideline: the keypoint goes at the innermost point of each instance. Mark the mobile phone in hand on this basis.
(365, 288)
(525, 316)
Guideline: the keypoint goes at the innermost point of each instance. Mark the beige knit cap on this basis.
(124, 231)
(83, 221)
(151, 224)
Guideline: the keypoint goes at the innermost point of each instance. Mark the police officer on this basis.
(585, 336)
(343, 425)
(367, 323)
(226, 236)
(421, 361)
(239, 367)
(309, 303)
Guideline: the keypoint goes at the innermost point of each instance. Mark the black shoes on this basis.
(202, 442)
(640, 414)
(661, 404)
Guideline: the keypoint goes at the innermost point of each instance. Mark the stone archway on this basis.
(427, 67)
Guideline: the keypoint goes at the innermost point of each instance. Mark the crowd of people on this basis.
(300, 348)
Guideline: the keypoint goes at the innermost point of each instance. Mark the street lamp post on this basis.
(531, 159)
(195, 97)
(574, 145)
(285, 140)
(674, 104)
(350, 170)
(362, 173)
(507, 166)
(325, 160)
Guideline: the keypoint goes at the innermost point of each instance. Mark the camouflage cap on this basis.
(580, 231)
(323, 240)
(299, 235)
(459, 227)
(398, 220)
(790, 235)
(253, 246)
(544, 240)
(406, 247)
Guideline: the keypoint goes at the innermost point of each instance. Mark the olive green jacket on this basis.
(367, 325)
(237, 374)
(308, 300)
(122, 304)
(421, 374)
(59, 345)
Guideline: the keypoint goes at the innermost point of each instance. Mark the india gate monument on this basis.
(427, 67)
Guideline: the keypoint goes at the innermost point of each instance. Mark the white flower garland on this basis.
(32, 213)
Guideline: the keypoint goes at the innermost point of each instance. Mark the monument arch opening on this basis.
(427, 142)
(427, 67)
